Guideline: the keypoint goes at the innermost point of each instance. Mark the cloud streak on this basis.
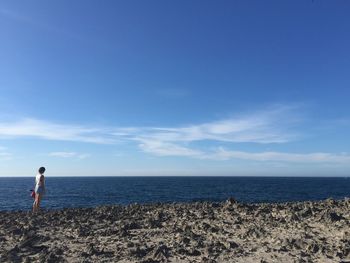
(4, 155)
(273, 126)
(168, 149)
(52, 131)
(318, 157)
(221, 154)
(262, 127)
(69, 155)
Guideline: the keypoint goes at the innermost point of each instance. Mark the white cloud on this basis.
(63, 154)
(167, 149)
(83, 155)
(69, 155)
(271, 126)
(52, 131)
(261, 127)
(4, 155)
(318, 157)
(276, 125)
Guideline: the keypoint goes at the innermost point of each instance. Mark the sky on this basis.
(219, 88)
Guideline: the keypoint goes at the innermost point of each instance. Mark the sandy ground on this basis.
(190, 232)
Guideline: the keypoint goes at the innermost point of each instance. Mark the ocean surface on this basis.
(94, 191)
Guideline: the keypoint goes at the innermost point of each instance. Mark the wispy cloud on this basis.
(4, 154)
(264, 127)
(168, 149)
(274, 126)
(52, 131)
(318, 157)
(261, 127)
(270, 126)
(69, 155)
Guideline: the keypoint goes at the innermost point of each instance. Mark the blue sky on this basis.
(175, 88)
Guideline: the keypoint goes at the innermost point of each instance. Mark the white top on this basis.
(37, 180)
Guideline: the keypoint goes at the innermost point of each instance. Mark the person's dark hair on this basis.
(42, 170)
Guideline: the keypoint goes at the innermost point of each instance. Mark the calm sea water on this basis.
(94, 191)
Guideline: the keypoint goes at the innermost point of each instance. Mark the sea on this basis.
(64, 192)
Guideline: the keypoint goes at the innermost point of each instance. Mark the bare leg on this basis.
(36, 204)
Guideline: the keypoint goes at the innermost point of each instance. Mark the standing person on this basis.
(39, 188)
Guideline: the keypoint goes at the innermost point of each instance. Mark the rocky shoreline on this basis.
(181, 232)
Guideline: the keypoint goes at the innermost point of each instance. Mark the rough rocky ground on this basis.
(181, 232)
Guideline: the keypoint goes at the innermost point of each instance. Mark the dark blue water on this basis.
(94, 191)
